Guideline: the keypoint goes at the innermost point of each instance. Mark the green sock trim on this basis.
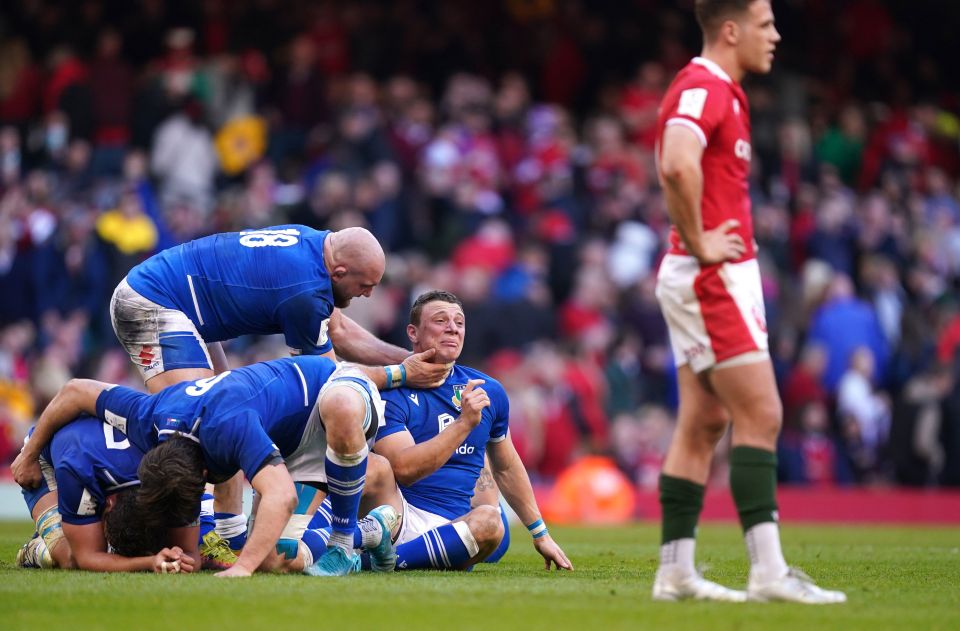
(681, 502)
(753, 483)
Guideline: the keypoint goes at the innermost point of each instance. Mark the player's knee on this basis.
(379, 474)
(486, 526)
(343, 411)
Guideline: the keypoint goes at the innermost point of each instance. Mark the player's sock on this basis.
(345, 478)
(444, 548)
(207, 520)
(681, 502)
(313, 544)
(504, 543)
(753, 483)
(233, 528)
(366, 535)
(323, 517)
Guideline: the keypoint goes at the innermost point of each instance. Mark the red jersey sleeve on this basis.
(700, 107)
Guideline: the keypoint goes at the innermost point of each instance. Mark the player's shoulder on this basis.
(466, 373)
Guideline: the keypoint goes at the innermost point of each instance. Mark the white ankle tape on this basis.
(347, 460)
(467, 537)
(295, 527)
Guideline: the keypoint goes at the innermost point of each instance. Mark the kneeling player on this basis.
(86, 509)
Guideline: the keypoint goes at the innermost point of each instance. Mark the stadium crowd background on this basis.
(503, 150)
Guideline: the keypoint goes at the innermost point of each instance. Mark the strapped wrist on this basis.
(538, 529)
(396, 375)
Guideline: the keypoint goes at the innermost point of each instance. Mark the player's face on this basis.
(442, 326)
(352, 285)
(758, 38)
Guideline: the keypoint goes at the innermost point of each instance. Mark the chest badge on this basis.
(457, 395)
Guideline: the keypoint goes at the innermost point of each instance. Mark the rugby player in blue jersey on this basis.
(172, 311)
(87, 499)
(435, 441)
(301, 419)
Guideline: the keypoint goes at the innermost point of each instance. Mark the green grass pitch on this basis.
(896, 578)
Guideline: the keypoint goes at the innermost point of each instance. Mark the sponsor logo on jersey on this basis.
(692, 102)
(465, 449)
(741, 149)
(88, 505)
(457, 395)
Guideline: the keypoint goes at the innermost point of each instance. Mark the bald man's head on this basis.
(355, 262)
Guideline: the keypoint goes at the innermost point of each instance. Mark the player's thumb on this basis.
(473, 383)
(427, 354)
(730, 224)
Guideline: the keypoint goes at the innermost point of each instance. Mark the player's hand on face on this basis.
(721, 244)
(472, 401)
(552, 553)
(172, 561)
(26, 471)
(422, 372)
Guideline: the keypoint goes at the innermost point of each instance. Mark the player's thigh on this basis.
(749, 391)
(41, 503)
(156, 338)
(700, 410)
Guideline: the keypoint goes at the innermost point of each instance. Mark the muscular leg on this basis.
(454, 546)
(59, 551)
(749, 391)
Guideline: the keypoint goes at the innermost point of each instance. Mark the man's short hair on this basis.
(128, 531)
(171, 482)
(712, 13)
(431, 296)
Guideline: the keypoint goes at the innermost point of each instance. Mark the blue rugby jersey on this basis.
(91, 460)
(241, 418)
(425, 413)
(255, 282)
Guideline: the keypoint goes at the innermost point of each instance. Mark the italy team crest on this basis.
(457, 395)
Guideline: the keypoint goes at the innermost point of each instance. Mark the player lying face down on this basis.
(87, 511)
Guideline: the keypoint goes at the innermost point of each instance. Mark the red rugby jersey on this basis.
(707, 101)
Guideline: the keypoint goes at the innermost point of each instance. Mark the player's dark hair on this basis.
(126, 529)
(712, 13)
(431, 296)
(171, 482)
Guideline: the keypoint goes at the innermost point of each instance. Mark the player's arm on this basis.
(682, 176)
(514, 483)
(411, 461)
(78, 396)
(416, 371)
(89, 549)
(356, 344)
(278, 499)
(218, 357)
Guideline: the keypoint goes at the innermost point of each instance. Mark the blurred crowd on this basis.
(502, 150)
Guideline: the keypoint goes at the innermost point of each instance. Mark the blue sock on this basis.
(504, 543)
(439, 548)
(207, 521)
(323, 517)
(233, 528)
(316, 541)
(345, 478)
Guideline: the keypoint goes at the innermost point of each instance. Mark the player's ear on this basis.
(338, 273)
(412, 333)
(730, 32)
(110, 502)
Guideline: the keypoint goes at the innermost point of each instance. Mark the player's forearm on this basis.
(415, 463)
(515, 485)
(186, 538)
(78, 396)
(106, 562)
(273, 514)
(683, 190)
(354, 343)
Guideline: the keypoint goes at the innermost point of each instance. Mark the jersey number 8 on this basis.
(264, 238)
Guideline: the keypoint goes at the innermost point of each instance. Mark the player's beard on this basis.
(340, 299)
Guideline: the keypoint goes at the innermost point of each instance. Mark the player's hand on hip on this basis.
(472, 401)
(552, 553)
(721, 244)
(172, 561)
(422, 373)
(26, 471)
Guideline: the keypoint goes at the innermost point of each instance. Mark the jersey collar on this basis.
(713, 68)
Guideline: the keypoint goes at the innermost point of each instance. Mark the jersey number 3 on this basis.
(265, 238)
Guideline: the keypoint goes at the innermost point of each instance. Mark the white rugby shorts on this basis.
(156, 338)
(715, 315)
